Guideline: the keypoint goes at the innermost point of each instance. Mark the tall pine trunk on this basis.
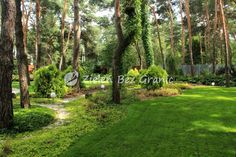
(201, 52)
(38, 35)
(21, 58)
(63, 56)
(26, 16)
(6, 62)
(182, 33)
(225, 30)
(159, 38)
(214, 38)
(25, 23)
(77, 35)
(117, 57)
(190, 36)
(170, 11)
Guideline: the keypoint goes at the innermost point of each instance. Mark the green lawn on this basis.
(201, 123)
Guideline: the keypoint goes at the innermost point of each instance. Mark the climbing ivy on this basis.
(132, 17)
(146, 33)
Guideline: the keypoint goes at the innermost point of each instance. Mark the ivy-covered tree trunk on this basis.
(146, 33)
(21, 58)
(6, 62)
(190, 36)
(38, 35)
(123, 42)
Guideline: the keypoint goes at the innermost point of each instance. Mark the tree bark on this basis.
(207, 29)
(25, 17)
(117, 57)
(214, 38)
(123, 43)
(25, 23)
(159, 37)
(171, 28)
(182, 33)
(38, 35)
(6, 62)
(63, 56)
(190, 36)
(77, 36)
(139, 54)
(225, 30)
(21, 58)
(201, 52)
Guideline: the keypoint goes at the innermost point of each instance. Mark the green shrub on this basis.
(153, 78)
(133, 74)
(219, 80)
(47, 80)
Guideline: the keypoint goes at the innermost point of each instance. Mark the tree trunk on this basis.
(25, 16)
(201, 53)
(6, 62)
(171, 28)
(146, 34)
(77, 35)
(139, 54)
(221, 49)
(63, 56)
(117, 57)
(182, 33)
(38, 35)
(25, 20)
(159, 38)
(190, 36)
(123, 43)
(214, 37)
(207, 29)
(225, 30)
(21, 58)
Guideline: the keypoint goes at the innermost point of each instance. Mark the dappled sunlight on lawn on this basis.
(212, 126)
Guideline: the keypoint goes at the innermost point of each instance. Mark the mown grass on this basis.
(201, 122)
(53, 141)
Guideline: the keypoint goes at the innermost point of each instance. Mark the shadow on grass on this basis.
(26, 120)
